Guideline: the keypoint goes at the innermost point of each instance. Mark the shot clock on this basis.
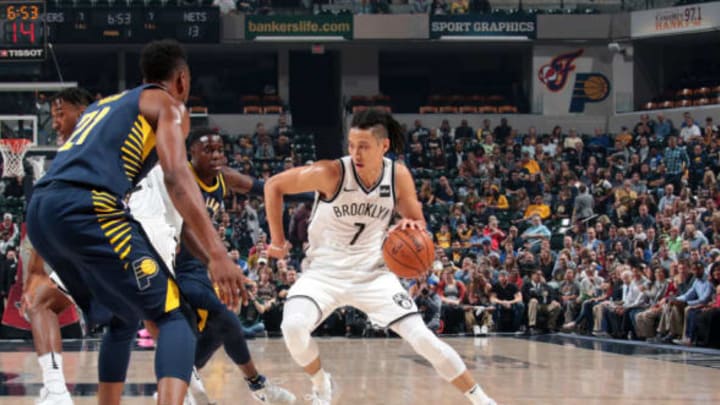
(22, 30)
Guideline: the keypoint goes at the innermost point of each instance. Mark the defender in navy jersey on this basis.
(219, 326)
(79, 224)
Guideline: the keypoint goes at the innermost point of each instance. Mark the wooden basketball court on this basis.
(557, 369)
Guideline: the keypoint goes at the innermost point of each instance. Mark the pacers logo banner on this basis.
(572, 80)
(278, 26)
(589, 88)
(442, 26)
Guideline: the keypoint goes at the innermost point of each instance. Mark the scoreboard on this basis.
(133, 25)
(26, 27)
(23, 32)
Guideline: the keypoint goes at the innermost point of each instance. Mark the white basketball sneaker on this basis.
(323, 395)
(273, 395)
(51, 398)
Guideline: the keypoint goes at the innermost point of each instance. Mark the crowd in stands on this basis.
(606, 234)
(614, 235)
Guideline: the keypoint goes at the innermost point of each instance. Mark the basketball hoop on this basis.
(13, 151)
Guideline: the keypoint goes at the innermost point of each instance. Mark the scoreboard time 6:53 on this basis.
(22, 30)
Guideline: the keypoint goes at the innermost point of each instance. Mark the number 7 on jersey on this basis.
(361, 227)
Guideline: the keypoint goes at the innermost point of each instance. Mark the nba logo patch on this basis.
(384, 191)
(403, 300)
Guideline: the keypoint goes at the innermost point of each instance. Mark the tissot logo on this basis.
(22, 53)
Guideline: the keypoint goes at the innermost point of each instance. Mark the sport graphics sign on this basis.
(482, 26)
(568, 82)
(675, 20)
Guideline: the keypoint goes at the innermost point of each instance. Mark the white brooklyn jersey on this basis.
(346, 230)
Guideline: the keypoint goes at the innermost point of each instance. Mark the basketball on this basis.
(408, 253)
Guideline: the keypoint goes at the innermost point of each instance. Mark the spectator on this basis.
(451, 293)
(427, 301)
(464, 131)
(417, 158)
(508, 303)
(265, 149)
(538, 207)
(664, 128)
(646, 126)
(658, 295)
(8, 274)
(536, 233)
(419, 131)
(251, 311)
(502, 131)
(477, 305)
(691, 302)
(244, 147)
(283, 128)
(282, 148)
(572, 140)
(569, 291)
(8, 226)
(690, 131)
(443, 238)
(444, 191)
(625, 198)
(583, 205)
(540, 298)
(675, 160)
(707, 329)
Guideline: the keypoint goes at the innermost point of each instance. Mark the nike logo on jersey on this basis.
(361, 210)
(349, 189)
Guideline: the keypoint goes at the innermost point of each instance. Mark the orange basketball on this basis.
(408, 253)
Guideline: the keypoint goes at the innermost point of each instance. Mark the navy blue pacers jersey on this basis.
(214, 195)
(111, 148)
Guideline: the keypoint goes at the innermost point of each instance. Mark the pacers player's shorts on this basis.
(378, 293)
(198, 291)
(100, 252)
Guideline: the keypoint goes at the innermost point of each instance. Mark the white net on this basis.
(38, 165)
(13, 151)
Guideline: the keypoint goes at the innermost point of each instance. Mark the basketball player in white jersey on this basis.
(355, 199)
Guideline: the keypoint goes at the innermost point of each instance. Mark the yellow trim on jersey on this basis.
(148, 136)
(172, 297)
(109, 223)
(124, 254)
(205, 187)
(113, 222)
(221, 178)
(115, 229)
(203, 317)
(110, 99)
(120, 234)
